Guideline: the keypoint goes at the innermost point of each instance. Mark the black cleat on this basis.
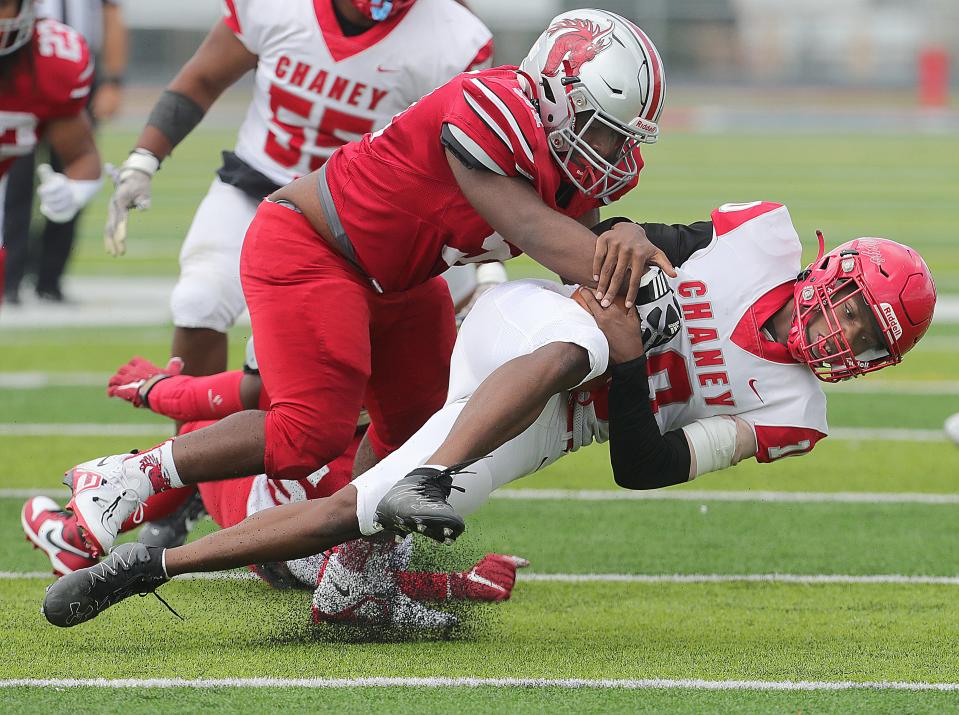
(84, 594)
(417, 504)
(174, 530)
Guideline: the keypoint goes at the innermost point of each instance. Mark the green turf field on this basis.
(715, 584)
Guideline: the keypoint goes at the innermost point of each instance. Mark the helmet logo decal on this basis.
(891, 319)
(870, 249)
(581, 42)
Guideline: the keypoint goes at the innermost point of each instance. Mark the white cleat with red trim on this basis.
(104, 496)
(54, 531)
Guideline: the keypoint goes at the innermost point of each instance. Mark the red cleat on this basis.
(57, 534)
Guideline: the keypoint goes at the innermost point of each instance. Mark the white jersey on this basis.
(317, 89)
(721, 363)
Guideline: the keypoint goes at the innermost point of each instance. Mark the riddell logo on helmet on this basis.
(582, 41)
(891, 319)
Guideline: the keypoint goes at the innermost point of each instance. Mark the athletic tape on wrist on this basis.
(142, 160)
(713, 441)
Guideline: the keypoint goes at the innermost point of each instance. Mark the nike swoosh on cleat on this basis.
(53, 535)
(103, 461)
(339, 589)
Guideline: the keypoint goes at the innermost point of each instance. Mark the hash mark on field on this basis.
(693, 578)
(693, 495)
(645, 684)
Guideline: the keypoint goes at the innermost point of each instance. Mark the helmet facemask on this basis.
(17, 31)
(837, 290)
(598, 173)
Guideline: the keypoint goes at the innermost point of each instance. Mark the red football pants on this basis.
(327, 343)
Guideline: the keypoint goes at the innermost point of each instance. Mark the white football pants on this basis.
(509, 321)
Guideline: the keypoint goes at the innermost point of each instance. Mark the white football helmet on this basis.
(599, 85)
(15, 32)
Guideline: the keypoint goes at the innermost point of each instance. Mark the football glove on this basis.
(658, 309)
(132, 191)
(134, 380)
(491, 579)
(61, 197)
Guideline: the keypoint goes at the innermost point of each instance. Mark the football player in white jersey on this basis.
(326, 72)
(734, 377)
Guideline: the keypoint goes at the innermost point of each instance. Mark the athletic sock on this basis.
(209, 397)
(157, 466)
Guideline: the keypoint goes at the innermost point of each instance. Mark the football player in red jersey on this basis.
(341, 267)
(738, 377)
(45, 76)
(348, 67)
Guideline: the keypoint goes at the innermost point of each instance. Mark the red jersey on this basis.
(395, 193)
(51, 80)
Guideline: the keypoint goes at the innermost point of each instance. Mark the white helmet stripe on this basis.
(507, 115)
(488, 120)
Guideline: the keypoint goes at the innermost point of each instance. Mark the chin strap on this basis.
(803, 274)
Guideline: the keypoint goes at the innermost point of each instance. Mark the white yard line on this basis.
(694, 578)
(606, 684)
(40, 379)
(122, 429)
(82, 429)
(691, 495)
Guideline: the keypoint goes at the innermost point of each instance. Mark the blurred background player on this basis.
(326, 72)
(45, 77)
(738, 378)
(100, 22)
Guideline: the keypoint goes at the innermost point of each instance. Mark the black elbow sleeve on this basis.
(641, 457)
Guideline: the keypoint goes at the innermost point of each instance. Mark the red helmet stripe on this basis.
(656, 73)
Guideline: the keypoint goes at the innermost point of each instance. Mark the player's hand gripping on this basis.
(622, 254)
(491, 579)
(132, 191)
(621, 326)
(134, 380)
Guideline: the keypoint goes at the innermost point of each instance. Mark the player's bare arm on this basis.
(516, 394)
(219, 62)
(613, 263)
(72, 139)
(216, 65)
(62, 195)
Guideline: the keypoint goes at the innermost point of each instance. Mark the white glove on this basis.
(132, 191)
(60, 197)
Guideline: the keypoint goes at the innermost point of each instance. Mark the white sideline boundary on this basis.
(122, 429)
(701, 578)
(619, 684)
(691, 495)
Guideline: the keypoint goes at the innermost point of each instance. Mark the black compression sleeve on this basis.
(641, 457)
(677, 241)
(175, 115)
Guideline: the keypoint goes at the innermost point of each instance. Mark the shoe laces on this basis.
(109, 567)
(441, 484)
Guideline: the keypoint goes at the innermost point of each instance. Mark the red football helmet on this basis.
(893, 282)
(15, 32)
(379, 10)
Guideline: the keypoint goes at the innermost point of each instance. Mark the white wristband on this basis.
(142, 160)
(491, 273)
